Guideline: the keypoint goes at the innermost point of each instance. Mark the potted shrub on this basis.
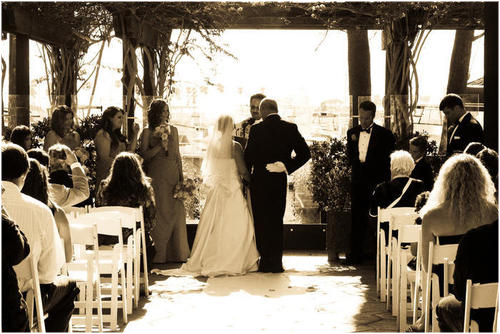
(330, 185)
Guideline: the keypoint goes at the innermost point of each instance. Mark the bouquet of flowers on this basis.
(162, 131)
(185, 190)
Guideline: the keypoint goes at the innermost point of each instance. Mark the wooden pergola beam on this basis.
(17, 21)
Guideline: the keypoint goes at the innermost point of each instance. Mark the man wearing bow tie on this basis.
(242, 130)
(463, 127)
(368, 149)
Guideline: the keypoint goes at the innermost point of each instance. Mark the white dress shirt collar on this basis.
(11, 188)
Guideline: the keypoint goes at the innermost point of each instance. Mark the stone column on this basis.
(19, 81)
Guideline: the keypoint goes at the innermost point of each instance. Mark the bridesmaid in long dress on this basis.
(164, 166)
(62, 130)
(109, 141)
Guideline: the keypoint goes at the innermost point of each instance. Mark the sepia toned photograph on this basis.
(249, 167)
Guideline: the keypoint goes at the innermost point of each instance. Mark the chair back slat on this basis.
(479, 296)
(484, 295)
(401, 219)
(108, 225)
(444, 253)
(385, 214)
(129, 215)
(409, 233)
(83, 234)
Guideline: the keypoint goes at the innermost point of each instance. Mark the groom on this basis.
(269, 153)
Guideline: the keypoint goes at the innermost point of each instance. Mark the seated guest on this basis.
(60, 158)
(21, 135)
(474, 148)
(37, 186)
(401, 190)
(40, 155)
(15, 248)
(37, 223)
(477, 260)
(489, 158)
(62, 129)
(462, 199)
(127, 185)
(422, 170)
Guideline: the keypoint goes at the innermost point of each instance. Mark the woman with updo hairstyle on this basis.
(36, 185)
(62, 129)
(109, 141)
(21, 135)
(163, 163)
(127, 185)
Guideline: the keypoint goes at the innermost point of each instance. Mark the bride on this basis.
(225, 241)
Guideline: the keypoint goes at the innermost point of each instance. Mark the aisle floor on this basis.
(309, 297)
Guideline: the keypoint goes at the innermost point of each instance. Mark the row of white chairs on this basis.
(393, 276)
(121, 261)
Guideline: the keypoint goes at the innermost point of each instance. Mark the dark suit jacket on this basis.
(385, 193)
(477, 260)
(423, 171)
(377, 163)
(468, 131)
(274, 140)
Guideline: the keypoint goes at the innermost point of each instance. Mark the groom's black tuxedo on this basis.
(364, 178)
(269, 141)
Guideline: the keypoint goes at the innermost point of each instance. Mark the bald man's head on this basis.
(267, 107)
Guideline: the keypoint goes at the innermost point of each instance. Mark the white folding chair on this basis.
(132, 248)
(396, 220)
(479, 296)
(111, 261)
(442, 255)
(34, 295)
(84, 269)
(382, 249)
(407, 234)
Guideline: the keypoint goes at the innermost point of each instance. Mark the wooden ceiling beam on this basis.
(17, 21)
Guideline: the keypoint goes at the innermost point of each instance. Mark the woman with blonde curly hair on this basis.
(462, 199)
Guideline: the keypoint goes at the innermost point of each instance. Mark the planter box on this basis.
(338, 234)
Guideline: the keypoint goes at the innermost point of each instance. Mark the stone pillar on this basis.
(19, 81)
(358, 58)
(491, 75)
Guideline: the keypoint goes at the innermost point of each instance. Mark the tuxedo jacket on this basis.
(423, 171)
(273, 140)
(468, 131)
(376, 168)
(386, 192)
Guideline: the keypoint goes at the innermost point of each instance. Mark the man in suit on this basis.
(242, 130)
(463, 127)
(268, 156)
(423, 170)
(368, 149)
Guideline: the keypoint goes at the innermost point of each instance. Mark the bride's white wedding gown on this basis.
(225, 241)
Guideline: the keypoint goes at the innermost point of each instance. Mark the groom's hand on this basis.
(276, 167)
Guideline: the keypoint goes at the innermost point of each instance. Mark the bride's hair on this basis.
(220, 145)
